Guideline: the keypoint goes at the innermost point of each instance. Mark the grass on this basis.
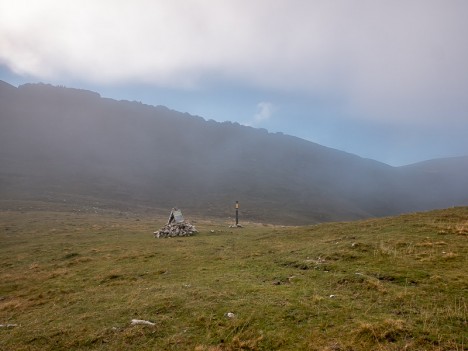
(74, 280)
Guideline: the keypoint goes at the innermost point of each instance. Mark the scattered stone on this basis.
(236, 226)
(141, 321)
(8, 325)
(229, 315)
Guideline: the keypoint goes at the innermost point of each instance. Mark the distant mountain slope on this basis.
(437, 183)
(57, 142)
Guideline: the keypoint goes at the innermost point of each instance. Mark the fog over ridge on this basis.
(58, 141)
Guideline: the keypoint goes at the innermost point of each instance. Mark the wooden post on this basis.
(237, 213)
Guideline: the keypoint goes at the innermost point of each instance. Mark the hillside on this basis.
(61, 144)
(75, 281)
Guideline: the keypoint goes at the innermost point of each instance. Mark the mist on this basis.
(66, 143)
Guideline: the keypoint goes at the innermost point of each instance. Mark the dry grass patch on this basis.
(388, 330)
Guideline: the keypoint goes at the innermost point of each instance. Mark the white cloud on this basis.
(264, 112)
(390, 60)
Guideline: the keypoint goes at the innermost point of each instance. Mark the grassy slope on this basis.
(74, 281)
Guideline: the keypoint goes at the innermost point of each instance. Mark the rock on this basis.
(176, 229)
(236, 226)
(141, 321)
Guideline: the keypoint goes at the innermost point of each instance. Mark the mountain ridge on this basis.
(58, 140)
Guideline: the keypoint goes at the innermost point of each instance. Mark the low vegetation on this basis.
(75, 280)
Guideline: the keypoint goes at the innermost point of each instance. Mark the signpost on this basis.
(237, 213)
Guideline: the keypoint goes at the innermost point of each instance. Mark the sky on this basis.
(383, 79)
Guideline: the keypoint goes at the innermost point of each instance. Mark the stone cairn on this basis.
(175, 229)
(176, 226)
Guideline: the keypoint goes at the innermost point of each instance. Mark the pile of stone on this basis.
(175, 229)
(176, 226)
